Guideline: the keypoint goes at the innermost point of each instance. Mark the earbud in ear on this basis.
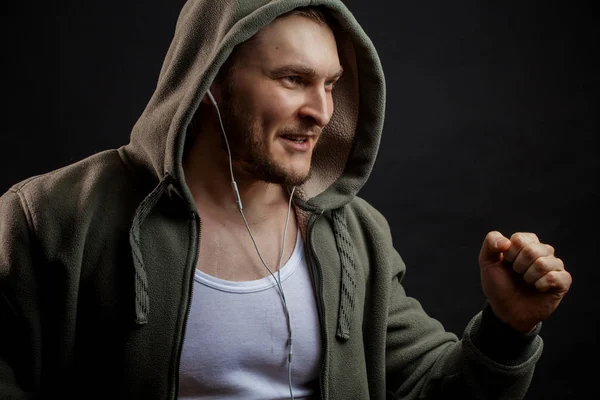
(211, 97)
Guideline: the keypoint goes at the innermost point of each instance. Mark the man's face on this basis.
(278, 98)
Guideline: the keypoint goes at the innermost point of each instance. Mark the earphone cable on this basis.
(277, 281)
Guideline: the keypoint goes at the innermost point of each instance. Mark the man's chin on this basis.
(287, 178)
(276, 172)
(296, 176)
(297, 180)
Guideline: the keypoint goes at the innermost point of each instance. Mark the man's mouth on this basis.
(300, 142)
(296, 138)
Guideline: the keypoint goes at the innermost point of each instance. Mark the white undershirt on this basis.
(235, 345)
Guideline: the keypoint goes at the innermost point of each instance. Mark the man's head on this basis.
(275, 96)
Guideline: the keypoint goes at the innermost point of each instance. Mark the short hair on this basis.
(315, 13)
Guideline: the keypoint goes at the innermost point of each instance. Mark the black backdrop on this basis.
(492, 123)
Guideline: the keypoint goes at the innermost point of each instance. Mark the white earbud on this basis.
(212, 98)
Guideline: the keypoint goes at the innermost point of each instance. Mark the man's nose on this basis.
(318, 106)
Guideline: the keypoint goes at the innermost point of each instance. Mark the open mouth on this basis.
(297, 143)
(296, 139)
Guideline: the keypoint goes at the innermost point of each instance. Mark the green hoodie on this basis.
(97, 258)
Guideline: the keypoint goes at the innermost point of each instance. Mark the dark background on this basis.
(492, 123)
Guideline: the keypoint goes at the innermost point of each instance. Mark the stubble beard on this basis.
(248, 150)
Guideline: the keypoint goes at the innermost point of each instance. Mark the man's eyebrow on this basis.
(299, 69)
(338, 74)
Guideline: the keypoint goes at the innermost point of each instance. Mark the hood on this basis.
(206, 33)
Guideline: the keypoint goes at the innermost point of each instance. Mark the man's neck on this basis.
(207, 174)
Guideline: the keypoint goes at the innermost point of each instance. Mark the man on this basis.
(162, 270)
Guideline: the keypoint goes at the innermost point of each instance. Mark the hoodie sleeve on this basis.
(19, 305)
(490, 361)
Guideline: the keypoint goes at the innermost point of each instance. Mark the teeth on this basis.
(294, 139)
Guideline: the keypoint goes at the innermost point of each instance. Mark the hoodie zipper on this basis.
(196, 218)
(317, 275)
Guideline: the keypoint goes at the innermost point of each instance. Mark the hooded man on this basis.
(223, 252)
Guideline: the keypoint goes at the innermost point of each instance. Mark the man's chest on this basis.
(231, 254)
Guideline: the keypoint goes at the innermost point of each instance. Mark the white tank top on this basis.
(235, 345)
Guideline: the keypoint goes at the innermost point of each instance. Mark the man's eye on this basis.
(295, 79)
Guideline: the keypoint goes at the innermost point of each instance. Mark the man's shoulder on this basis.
(365, 212)
(85, 173)
(75, 188)
(365, 223)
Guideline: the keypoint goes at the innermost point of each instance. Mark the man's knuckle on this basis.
(533, 237)
(552, 278)
(529, 253)
(541, 264)
(491, 235)
(519, 238)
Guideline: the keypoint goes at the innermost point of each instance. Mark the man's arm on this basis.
(19, 307)
(524, 283)
(423, 361)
